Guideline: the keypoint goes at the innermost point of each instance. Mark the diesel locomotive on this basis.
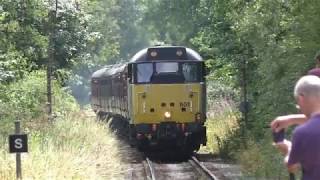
(161, 92)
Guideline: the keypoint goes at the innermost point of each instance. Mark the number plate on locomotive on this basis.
(185, 104)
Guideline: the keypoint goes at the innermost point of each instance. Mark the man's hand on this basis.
(281, 122)
(284, 147)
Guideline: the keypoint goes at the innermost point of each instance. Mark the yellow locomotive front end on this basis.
(156, 103)
(168, 112)
(167, 99)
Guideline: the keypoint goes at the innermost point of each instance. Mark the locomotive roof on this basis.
(164, 53)
(108, 71)
(144, 54)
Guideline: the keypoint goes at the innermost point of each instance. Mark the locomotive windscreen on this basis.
(162, 53)
(168, 72)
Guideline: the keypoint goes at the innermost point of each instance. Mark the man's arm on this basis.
(282, 122)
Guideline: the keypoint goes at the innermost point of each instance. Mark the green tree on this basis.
(22, 41)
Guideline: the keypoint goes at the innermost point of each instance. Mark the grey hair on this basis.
(308, 86)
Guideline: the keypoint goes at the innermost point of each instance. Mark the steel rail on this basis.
(203, 168)
(151, 169)
(130, 176)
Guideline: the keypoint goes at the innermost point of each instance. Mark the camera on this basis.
(278, 136)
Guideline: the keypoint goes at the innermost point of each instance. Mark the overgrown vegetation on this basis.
(72, 146)
(222, 124)
(260, 159)
(221, 131)
(273, 41)
(25, 100)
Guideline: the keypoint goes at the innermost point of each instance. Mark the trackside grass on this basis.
(220, 124)
(218, 130)
(74, 146)
(257, 159)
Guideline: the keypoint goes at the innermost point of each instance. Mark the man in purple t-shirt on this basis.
(305, 148)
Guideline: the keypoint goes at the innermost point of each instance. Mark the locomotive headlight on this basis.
(153, 53)
(179, 53)
(167, 115)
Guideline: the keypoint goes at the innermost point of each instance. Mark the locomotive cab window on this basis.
(167, 67)
(190, 72)
(168, 72)
(144, 72)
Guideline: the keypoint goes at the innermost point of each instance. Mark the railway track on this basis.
(187, 170)
(195, 162)
(154, 166)
(149, 169)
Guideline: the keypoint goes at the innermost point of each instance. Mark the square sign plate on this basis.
(18, 143)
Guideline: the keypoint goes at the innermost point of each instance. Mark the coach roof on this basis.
(109, 71)
(144, 55)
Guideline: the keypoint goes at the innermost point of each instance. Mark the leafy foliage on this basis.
(26, 100)
(274, 41)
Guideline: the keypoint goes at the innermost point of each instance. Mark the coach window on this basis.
(190, 72)
(144, 72)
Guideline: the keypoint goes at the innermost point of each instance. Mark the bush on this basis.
(262, 160)
(26, 100)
